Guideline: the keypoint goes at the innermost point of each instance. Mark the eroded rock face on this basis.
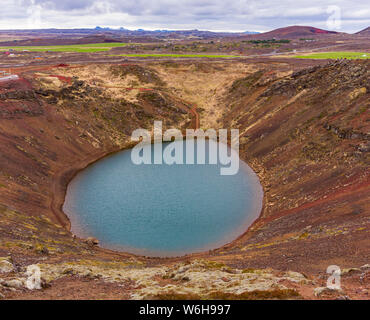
(18, 100)
(307, 137)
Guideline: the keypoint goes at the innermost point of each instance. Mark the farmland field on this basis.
(175, 55)
(336, 55)
(92, 47)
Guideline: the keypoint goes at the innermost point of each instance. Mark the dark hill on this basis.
(294, 32)
(365, 32)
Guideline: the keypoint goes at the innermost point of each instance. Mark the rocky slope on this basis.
(305, 132)
(307, 136)
(364, 32)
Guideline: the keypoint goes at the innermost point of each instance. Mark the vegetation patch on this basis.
(174, 55)
(241, 86)
(268, 41)
(336, 55)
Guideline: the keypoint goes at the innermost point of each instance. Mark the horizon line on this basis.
(98, 28)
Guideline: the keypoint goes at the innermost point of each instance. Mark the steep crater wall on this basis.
(304, 134)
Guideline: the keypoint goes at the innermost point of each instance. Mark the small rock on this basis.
(42, 249)
(365, 267)
(13, 283)
(185, 278)
(68, 271)
(295, 275)
(364, 147)
(5, 265)
(318, 291)
(322, 290)
(357, 92)
(92, 241)
(180, 277)
(350, 270)
(182, 269)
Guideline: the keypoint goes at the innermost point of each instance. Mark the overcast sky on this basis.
(218, 15)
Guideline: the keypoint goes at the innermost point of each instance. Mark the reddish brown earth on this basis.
(293, 32)
(316, 174)
(364, 32)
(306, 135)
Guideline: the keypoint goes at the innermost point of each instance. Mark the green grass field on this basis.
(336, 55)
(173, 55)
(92, 47)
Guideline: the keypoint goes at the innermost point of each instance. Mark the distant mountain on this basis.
(294, 32)
(101, 29)
(365, 32)
(99, 34)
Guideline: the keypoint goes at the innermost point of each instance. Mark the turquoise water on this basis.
(161, 210)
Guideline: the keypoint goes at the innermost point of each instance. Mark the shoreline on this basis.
(64, 177)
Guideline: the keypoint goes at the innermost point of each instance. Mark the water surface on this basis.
(161, 210)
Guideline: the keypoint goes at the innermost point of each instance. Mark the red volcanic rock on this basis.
(60, 65)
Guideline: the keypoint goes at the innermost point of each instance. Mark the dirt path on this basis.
(191, 108)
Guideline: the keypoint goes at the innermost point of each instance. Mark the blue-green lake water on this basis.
(161, 210)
